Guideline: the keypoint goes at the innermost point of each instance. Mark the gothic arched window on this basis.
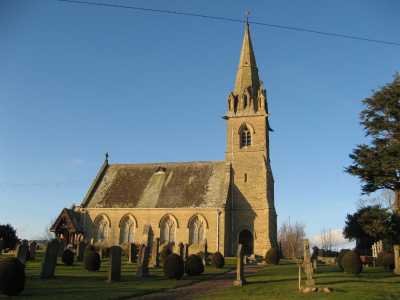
(167, 230)
(127, 230)
(101, 229)
(245, 137)
(197, 230)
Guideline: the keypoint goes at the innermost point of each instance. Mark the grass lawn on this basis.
(281, 282)
(76, 283)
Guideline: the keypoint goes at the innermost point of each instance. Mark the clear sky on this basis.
(77, 81)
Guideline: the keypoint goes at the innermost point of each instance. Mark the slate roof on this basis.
(160, 185)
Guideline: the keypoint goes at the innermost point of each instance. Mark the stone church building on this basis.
(221, 202)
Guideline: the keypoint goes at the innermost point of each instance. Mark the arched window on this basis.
(167, 230)
(245, 137)
(127, 230)
(101, 229)
(197, 230)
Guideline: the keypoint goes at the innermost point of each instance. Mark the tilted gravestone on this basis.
(240, 280)
(80, 250)
(143, 262)
(307, 265)
(155, 259)
(22, 252)
(50, 259)
(132, 253)
(114, 272)
(32, 250)
(396, 249)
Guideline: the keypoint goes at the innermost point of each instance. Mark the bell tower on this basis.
(251, 203)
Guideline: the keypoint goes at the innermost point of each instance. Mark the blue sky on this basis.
(77, 81)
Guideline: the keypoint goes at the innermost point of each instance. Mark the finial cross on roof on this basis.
(246, 15)
(106, 156)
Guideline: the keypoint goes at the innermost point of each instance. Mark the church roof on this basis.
(160, 185)
(68, 219)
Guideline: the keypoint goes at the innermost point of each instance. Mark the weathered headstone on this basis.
(2, 245)
(22, 252)
(61, 248)
(240, 280)
(114, 272)
(132, 253)
(155, 260)
(185, 252)
(396, 249)
(50, 259)
(307, 265)
(80, 250)
(181, 250)
(143, 262)
(32, 250)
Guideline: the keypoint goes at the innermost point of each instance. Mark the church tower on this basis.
(251, 205)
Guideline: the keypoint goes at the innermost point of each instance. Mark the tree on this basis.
(385, 200)
(328, 241)
(291, 239)
(9, 235)
(370, 224)
(378, 164)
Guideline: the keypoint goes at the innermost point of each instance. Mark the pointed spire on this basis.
(247, 74)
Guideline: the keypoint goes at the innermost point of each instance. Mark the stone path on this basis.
(200, 288)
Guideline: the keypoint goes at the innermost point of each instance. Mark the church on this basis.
(222, 203)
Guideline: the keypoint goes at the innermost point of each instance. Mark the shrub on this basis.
(173, 266)
(351, 263)
(194, 265)
(164, 253)
(340, 257)
(91, 260)
(386, 260)
(68, 257)
(218, 260)
(12, 276)
(272, 256)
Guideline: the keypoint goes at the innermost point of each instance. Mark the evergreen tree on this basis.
(378, 164)
(9, 235)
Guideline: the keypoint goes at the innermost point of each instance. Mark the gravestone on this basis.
(22, 252)
(185, 252)
(50, 259)
(143, 262)
(396, 249)
(132, 253)
(307, 265)
(155, 260)
(2, 245)
(240, 280)
(181, 251)
(114, 272)
(80, 250)
(61, 248)
(32, 250)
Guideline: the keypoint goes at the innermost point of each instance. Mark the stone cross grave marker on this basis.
(155, 250)
(22, 252)
(32, 250)
(49, 261)
(396, 249)
(143, 262)
(80, 250)
(114, 271)
(307, 265)
(240, 280)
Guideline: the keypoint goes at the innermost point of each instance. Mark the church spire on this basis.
(247, 74)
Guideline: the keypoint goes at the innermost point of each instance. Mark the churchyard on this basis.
(258, 281)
